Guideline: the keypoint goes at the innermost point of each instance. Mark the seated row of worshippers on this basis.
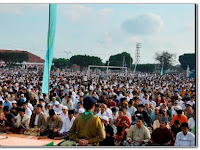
(57, 127)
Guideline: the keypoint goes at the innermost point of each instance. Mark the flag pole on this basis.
(50, 47)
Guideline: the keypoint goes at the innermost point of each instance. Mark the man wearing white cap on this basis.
(180, 102)
(175, 107)
(57, 108)
(64, 113)
(22, 98)
(15, 109)
(67, 123)
(104, 120)
(49, 107)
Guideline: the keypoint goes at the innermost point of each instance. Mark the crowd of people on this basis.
(100, 109)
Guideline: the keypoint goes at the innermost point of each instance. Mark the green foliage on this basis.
(117, 60)
(165, 57)
(85, 60)
(145, 67)
(187, 59)
(61, 63)
(11, 58)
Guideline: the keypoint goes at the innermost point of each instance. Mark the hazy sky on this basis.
(100, 29)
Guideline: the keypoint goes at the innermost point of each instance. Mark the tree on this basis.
(11, 58)
(166, 58)
(187, 59)
(145, 67)
(117, 60)
(61, 63)
(85, 60)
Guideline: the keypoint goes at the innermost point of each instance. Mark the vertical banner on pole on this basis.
(135, 68)
(50, 47)
(161, 71)
(107, 67)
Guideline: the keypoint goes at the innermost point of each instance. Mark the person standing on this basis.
(87, 128)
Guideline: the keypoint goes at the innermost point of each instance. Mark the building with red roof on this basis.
(34, 60)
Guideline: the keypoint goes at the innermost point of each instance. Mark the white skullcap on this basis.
(105, 118)
(14, 102)
(56, 103)
(65, 107)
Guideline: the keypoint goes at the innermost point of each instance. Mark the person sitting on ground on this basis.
(105, 111)
(8, 120)
(189, 111)
(96, 109)
(79, 106)
(87, 128)
(15, 109)
(38, 121)
(42, 103)
(180, 117)
(185, 138)
(123, 120)
(28, 112)
(140, 110)
(191, 121)
(138, 133)
(53, 126)
(162, 136)
(116, 100)
(130, 108)
(156, 123)
(64, 113)
(155, 114)
(148, 110)
(49, 107)
(67, 124)
(7, 102)
(69, 103)
(176, 127)
(22, 122)
(22, 99)
(191, 101)
(120, 136)
(111, 103)
(109, 140)
(57, 108)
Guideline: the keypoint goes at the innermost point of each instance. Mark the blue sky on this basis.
(100, 29)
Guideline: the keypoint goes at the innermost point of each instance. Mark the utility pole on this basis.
(137, 55)
(67, 53)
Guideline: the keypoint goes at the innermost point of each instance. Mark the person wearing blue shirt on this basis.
(53, 101)
(7, 103)
(116, 100)
(76, 102)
